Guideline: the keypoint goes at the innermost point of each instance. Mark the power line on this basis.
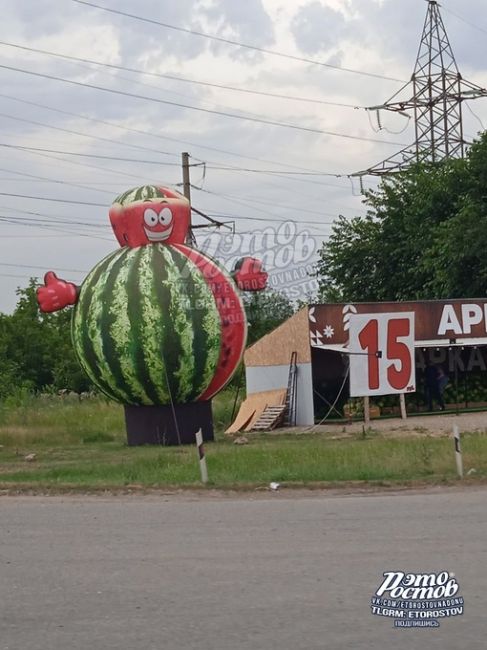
(18, 277)
(152, 135)
(118, 76)
(320, 235)
(271, 216)
(280, 220)
(214, 167)
(101, 205)
(58, 181)
(225, 196)
(464, 20)
(476, 117)
(91, 155)
(310, 225)
(85, 135)
(34, 221)
(287, 178)
(181, 79)
(12, 221)
(47, 223)
(296, 192)
(273, 171)
(72, 162)
(237, 43)
(243, 203)
(36, 236)
(200, 109)
(45, 198)
(261, 202)
(41, 268)
(138, 177)
(49, 218)
(98, 121)
(121, 183)
(58, 218)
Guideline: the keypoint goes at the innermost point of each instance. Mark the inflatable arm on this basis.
(249, 274)
(56, 294)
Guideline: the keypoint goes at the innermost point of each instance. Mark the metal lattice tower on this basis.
(438, 92)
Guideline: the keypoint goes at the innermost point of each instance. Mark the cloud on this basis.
(43, 17)
(318, 28)
(247, 20)
(392, 27)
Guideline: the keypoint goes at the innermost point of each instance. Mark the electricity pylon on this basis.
(438, 92)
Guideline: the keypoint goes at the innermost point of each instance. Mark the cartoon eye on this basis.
(150, 217)
(165, 216)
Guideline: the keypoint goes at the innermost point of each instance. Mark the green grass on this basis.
(54, 420)
(81, 446)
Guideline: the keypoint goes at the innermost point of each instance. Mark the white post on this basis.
(201, 455)
(458, 450)
(402, 402)
(367, 411)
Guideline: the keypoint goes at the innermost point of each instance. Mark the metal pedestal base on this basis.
(156, 425)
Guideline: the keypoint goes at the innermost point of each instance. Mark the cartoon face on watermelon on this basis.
(156, 323)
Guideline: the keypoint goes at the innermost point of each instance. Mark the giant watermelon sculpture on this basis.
(157, 325)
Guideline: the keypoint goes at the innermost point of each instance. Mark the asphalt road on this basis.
(279, 571)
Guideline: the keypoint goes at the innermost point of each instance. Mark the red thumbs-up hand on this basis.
(249, 274)
(56, 294)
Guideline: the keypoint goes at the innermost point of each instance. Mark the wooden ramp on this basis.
(270, 418)
(253, 407)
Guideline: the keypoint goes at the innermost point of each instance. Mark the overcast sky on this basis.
(378, 37)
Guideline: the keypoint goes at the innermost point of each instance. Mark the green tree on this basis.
(265, 311)
(36, 350)
(422, 238)
(351, 249)
(461, 242)
(9, 371)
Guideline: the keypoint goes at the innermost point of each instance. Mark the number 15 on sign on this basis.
(382, 354)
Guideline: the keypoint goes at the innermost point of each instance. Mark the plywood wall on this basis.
(275, 348)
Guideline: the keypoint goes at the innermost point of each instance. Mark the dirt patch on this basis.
(414, 427)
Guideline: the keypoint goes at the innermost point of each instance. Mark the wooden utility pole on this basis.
(187, 193)
(186, 179)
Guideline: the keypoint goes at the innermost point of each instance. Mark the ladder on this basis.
(273, 416)
(270, 418)
(291, 394)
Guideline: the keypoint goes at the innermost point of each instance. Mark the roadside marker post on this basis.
(201, 455)
(458, 450)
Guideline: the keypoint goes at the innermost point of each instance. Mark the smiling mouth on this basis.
(158, 236)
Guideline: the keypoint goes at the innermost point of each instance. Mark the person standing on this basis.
(432, 386)
(442, 382)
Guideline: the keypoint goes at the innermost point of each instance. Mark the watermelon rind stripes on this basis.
(146, 328)
(122, 333)
(230, 307)
(89, 313)
(143, 193)
(201, 341)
